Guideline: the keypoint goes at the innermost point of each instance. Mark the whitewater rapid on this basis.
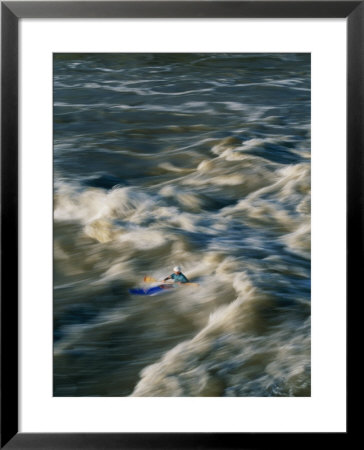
(208, 169)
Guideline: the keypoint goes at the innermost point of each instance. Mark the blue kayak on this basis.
(150, 290)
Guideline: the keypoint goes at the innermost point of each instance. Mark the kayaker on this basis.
(177, 276)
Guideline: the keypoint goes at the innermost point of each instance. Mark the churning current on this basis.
(196, 160)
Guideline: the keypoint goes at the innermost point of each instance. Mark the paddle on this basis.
(149, 279)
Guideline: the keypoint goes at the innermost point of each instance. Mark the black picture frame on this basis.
(11, 12)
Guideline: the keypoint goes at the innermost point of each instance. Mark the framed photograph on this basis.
(181, 200)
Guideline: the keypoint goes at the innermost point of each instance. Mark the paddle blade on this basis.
(149, 279)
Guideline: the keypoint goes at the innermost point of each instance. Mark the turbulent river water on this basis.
(200, 160)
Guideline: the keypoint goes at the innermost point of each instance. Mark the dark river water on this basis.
(200, 160)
